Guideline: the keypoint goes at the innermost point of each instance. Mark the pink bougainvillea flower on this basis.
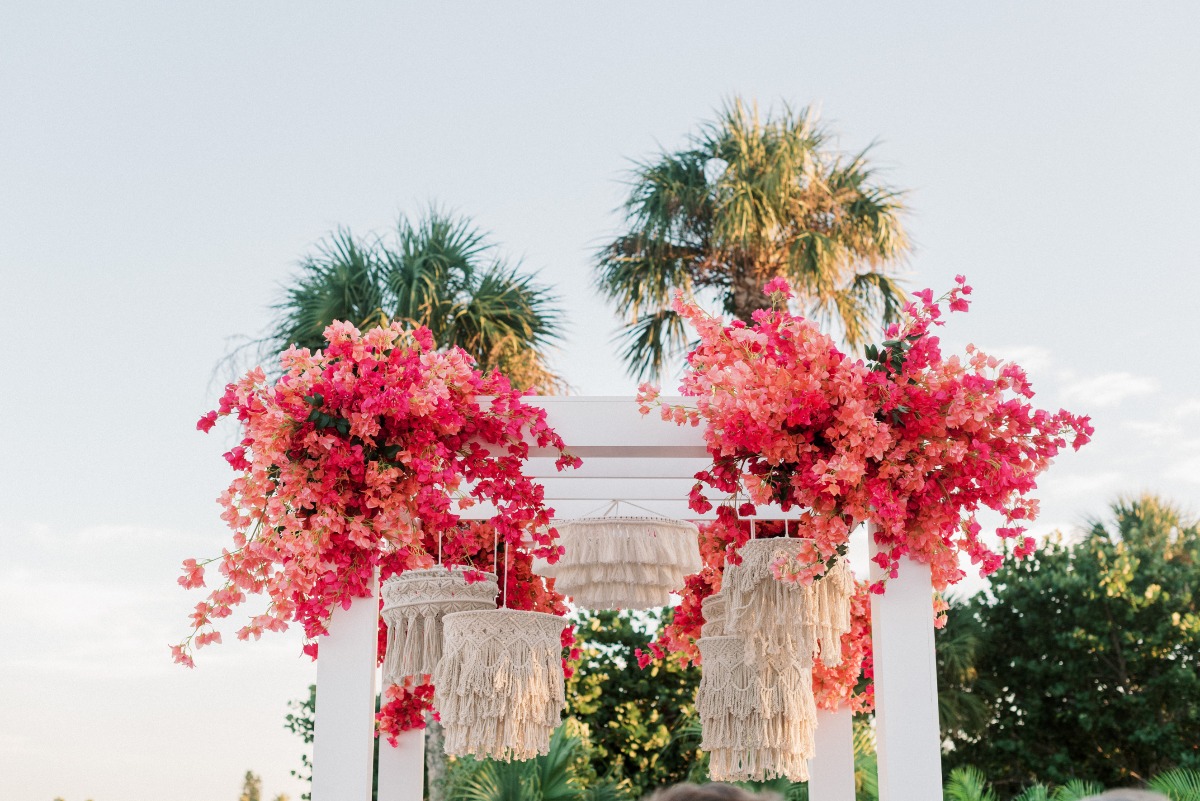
(356, 461)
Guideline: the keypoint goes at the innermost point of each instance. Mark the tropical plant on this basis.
(1089, 655)
(968, 784)
(749, 199)
(1178, 785)
(440, 272)
(561, 774)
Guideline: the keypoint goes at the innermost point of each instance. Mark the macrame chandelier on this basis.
(499, 687)
(414, 605)
(758, 641)
(623, 562)
(757, 717)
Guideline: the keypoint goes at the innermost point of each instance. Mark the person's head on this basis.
(713, 791)
(1127, 794)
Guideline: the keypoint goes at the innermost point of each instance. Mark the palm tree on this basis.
(440, 272)
(748, 200)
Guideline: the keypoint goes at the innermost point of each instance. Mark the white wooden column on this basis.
(344, 732)
(906, 709)
(402, 769)
(831, 770)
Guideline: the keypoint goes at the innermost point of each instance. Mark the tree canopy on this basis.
(441, 272)
(1088, 655)
(749, 199)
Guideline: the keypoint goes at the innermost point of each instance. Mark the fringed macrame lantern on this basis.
(755, 702)
(770, 615)
(758, 717)
(623, 562)
(414, 605)
(499, 687)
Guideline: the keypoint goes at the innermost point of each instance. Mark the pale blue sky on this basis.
(163, 166)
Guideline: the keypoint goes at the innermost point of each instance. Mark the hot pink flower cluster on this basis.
(355, 460)
(907, 439)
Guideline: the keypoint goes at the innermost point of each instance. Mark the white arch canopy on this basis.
(650, 463)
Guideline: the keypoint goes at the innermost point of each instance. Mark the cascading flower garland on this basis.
(355, 460)
(910, 440)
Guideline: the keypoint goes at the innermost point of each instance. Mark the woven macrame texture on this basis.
(758, 717)
(499, 687)
(414, 604)
(771, 615)
(712, 610)
(623, 562)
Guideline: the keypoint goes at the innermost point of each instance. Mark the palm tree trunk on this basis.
(746, 293)
(435, 759)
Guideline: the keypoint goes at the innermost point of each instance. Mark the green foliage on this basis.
(748, 200)
(968, 784)
(1087, 656)
(440, 272)
(634, 717)
(562, 774)
(1178, 785)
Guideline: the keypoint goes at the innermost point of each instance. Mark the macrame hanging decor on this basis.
(414, 605)
(757, 716)
(834, 589)
(712, 609)
(499, 687)
(770, 615)
(615, 562)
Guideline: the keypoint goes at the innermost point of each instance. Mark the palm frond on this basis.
(651, 341)
(1076, 790)
(1034, 792)
(968, 784)
(338, 282)
(1180, 784)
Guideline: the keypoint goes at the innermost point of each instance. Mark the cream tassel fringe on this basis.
(772, 616)
(833, 610)
(623, 562)
(499, 687)
(758, 717)
(414, 604)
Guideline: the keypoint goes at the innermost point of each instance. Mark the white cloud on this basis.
(1034, 358)
(1109, 389)
(1186, 470)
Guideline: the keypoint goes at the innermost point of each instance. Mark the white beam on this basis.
(906, 704)
(613, 426)
(567, 509)
(344, 729)
(402, 769)
(831, 770)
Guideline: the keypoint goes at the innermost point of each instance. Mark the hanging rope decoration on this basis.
(757, 717)
(499, 687)
(616, 562)
(414, 605)
(757, 646)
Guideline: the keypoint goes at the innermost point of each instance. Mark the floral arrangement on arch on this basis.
(908, 439)
(360, 458)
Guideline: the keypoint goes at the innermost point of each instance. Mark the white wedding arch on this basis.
(651, 463)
